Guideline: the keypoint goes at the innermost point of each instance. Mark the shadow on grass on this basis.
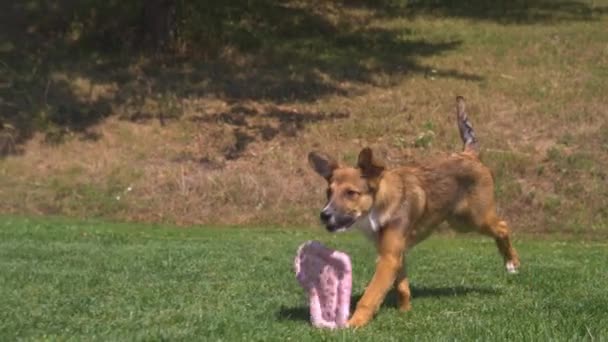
(67, 65)
(250, 124)
(301, 313)
(63, 73)
(504, 11)
(453, 291)
(298, 313)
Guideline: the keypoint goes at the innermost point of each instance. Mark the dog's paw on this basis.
(511, 267)
(404, 307)
(357, 321)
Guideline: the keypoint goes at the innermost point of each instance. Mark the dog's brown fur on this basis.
(401, 207)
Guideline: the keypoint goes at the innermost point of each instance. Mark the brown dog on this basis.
(400, 207)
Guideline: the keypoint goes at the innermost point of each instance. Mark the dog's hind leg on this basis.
(488, 223)
(478, 211)
(402, 286)
(501, 233)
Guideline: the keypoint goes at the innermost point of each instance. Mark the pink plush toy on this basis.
(326, 275)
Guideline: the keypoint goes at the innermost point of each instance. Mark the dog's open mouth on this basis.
(341, 224)
(338, 229)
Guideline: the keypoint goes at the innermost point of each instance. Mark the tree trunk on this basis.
(159, 24)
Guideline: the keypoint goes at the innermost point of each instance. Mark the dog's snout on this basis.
(325, 216)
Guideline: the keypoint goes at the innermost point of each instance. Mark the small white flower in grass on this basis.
(118, 198)
(129, 188)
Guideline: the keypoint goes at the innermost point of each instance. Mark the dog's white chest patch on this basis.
(370, 224)
(373, 222)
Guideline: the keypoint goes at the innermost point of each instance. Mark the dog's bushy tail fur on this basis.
(467, 134)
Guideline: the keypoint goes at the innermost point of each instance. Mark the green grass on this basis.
(67, 280)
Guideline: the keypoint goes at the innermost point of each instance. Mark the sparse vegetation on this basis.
(217, 130)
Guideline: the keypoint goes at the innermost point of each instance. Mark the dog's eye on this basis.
(352, 193)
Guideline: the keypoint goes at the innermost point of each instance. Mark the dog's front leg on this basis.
(391, 246)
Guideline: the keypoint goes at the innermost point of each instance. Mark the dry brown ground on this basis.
(232, 149)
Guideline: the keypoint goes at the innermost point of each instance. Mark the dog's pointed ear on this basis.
(371, 167)
(322, 164)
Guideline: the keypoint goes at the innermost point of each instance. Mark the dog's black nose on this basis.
(325, 216)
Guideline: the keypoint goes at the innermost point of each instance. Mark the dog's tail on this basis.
(467, 134)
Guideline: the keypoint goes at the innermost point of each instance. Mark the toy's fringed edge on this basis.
(344, 292)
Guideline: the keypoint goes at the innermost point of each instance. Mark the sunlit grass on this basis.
(66, 280)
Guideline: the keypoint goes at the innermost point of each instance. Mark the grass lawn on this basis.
(68, 280)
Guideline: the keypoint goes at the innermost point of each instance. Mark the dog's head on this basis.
(350, 190)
